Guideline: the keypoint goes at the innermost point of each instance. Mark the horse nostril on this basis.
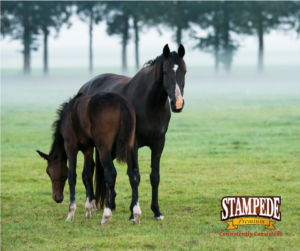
(173, 103)
(55, 197)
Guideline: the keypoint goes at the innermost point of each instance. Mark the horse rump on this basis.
(124, 143)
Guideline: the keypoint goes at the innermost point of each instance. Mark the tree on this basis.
(90, 12)
(175, 15)
(264, 16)
(118, 15)
(52, 14)
(19, 20)
(143, 15)
(220, 19)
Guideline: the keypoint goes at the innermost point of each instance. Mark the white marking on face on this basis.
(72, 209)
(179, 99)
(107, 214)
(175, 67)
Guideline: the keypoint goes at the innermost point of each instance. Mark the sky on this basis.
(70, 49)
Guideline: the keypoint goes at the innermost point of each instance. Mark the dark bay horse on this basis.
(105, 121)
(148, 92)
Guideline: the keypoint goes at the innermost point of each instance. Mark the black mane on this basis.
(56, 137)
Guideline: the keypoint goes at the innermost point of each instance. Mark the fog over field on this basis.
(68, 69)
(203, 91)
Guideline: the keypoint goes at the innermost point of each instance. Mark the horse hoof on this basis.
(159, 218)
(70, 217)
(137, 212)
(88, 215)
(107, 214)
(137, 219)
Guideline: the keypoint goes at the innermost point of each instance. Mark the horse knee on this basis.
(134, 179)
(154, 179)
(72, 178)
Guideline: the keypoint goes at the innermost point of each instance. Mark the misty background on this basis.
(68, 59)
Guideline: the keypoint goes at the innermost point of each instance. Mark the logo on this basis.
(250, 208)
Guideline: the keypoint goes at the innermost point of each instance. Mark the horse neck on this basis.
(154, 93)
(59, 149)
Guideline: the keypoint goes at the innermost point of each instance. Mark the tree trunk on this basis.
(26, 42)
(124, 45)
(178, 35)
(217, 49)
(136, 32)
(227, 54)
(217, 60)
(46, 33)
(91, 40)
(260, 47)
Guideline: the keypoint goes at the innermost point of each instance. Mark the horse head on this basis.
(57, 170)
(174, 71)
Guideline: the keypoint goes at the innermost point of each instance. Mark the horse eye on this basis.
(165, 72)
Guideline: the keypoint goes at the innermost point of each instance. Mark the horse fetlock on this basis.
(94, 207)
(137, 212)
(88, 215)
(159, 217)
(72, 209)
(107, 214)
(88, 208)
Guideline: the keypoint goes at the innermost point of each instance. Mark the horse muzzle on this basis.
(58, 199)
(175, 108)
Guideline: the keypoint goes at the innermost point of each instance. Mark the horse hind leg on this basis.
(110, 177)
(87, 177)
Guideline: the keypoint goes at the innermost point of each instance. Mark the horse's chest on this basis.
(149, 130)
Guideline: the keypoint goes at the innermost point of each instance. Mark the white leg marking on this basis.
(72, 210)
(159, 218)
(94, 207)
(107, 214)
(88, 208)
(137, 212)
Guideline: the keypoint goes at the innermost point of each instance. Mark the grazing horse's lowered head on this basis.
(174, 70)
(58, 172)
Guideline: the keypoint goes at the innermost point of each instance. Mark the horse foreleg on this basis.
(134, 178)
(72, 156)
(156, 152)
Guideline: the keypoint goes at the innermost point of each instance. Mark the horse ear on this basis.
(43, 155)
(181, 51)
(166, 51)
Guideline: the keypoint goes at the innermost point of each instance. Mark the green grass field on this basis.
(225, 143)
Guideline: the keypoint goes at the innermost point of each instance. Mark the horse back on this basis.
(105, 83)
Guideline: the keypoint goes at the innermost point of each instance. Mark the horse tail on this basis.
(100, 185)
(125, 137)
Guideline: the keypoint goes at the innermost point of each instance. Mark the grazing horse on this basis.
(105, 121)
(148, 92)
